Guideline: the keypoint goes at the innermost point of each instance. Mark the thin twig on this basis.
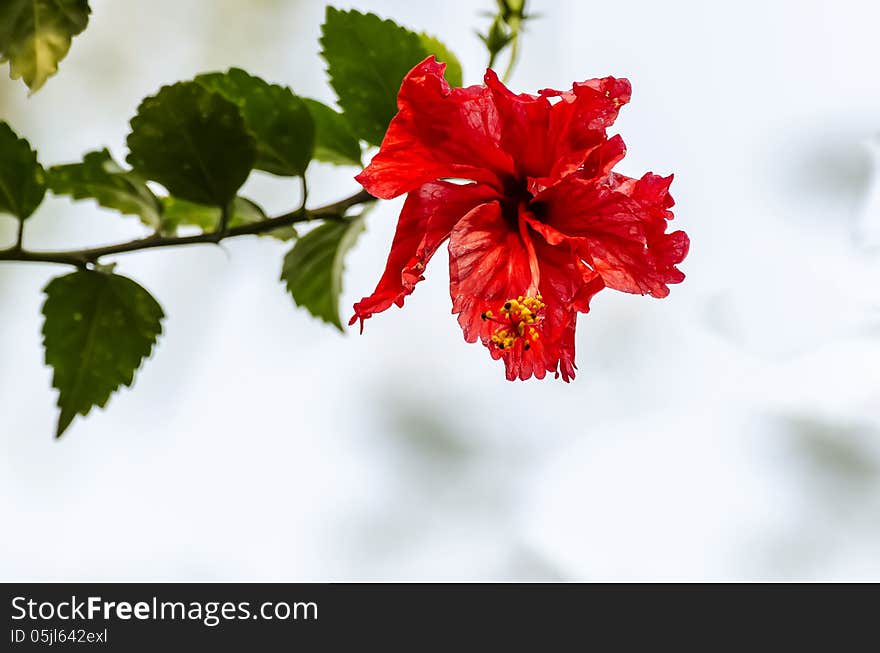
(82, 257)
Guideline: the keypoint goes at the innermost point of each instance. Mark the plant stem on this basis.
(514, 50)
(223, 225)
(19, 239)
(492, 57)
(83, 257)
(305, 192)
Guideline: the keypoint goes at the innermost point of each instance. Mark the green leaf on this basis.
(99, 177)
(453, 66)
(280, 121)
(22, 179)
(194, 142)
(334, 142)
(367, 60)
(98, 329)
(313, 269)
(35, 35)
(177, 213)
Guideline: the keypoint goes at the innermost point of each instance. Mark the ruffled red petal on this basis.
(489, 263)
(523, 124)
(551, 140)
(602, 158)
(428, 216)
(438, 132)
(618, 225)
(567, 286)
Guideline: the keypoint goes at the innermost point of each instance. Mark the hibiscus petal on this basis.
(579, 120)
(567, 286)
(618, 225)
(489, 263)
(438, 132)
(548, 141)
(603, 158)
(428, 216)
(597, 165)
(523, 122)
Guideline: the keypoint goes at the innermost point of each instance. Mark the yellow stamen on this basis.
(517, 319)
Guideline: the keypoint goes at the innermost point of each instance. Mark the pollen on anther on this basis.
(520, 318)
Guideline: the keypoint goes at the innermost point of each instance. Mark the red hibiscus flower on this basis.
(537, 223)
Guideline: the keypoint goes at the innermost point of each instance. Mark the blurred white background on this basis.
(731, 431)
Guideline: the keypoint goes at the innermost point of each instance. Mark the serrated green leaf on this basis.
(453, 66)
(98, 329)
(22, 179)
(35, 35)
(194, 142)
(367, 58)
(177, 213)
(280, 121)
(100, 178)
(313, 269)
(334, 142)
